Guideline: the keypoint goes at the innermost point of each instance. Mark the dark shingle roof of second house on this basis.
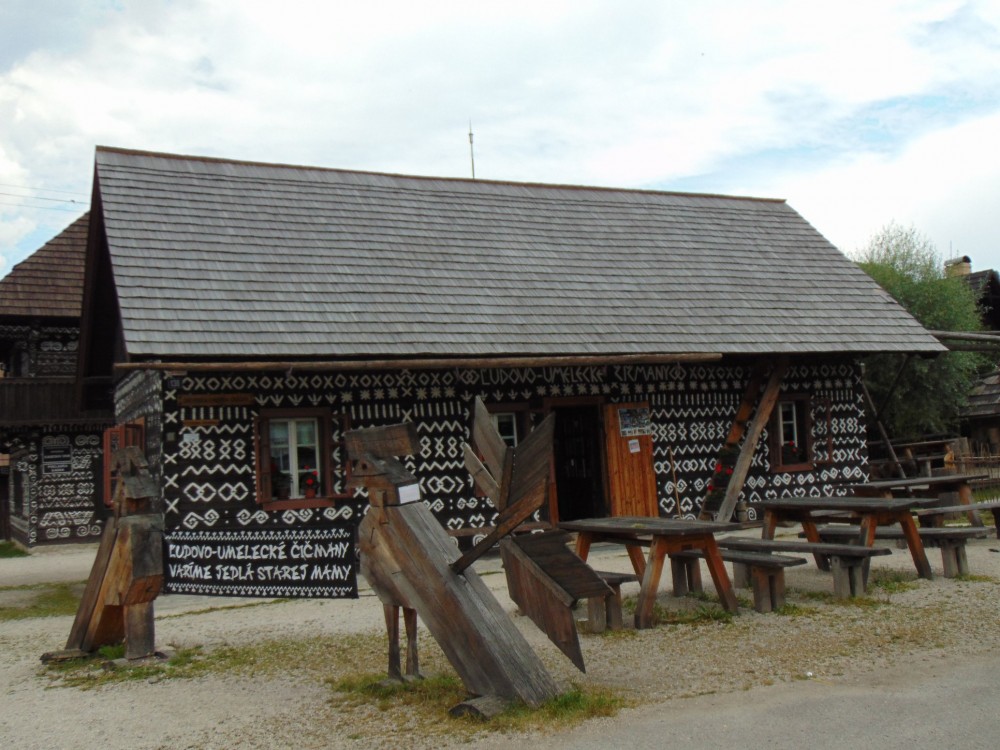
(226, 259)
(49, 282)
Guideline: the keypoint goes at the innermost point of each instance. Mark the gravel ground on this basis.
(822, 641)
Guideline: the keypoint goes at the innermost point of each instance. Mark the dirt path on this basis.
(285, 701)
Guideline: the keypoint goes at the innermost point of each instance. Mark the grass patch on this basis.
(98, 669)
(436, 694)
(861, 602)
(562, 712)
(703, 614)
(891, 581)
(976, 578)
(314, 656)
(795, 610)
(432, 698)
(9, 549)
(50, 600)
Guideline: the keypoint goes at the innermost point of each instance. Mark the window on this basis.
(295, 463)
(791, 434)
(506, 424)
(298, 454)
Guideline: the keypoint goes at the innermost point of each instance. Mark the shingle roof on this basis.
(216, 258)
(984, 399)
(49, 282)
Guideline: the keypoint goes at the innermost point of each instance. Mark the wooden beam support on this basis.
(753, 432)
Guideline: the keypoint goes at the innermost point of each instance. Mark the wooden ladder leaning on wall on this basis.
(748, 430)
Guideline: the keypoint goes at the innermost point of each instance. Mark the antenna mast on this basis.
(472, 153)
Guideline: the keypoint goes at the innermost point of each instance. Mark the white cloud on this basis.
(945, 183)
(587, 92)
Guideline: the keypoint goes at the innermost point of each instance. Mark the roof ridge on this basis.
(431, 178)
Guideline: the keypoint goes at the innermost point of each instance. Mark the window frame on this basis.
(325, 448)
(803, 405)
(521, 414)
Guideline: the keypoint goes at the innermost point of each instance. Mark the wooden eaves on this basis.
(424, 363)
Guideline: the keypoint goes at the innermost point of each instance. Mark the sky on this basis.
(859, 114)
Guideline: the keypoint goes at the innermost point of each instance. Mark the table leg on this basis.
(812, 535)
(869, 526)
(770, 524)
(650, 584)
(583, 540)
(916, 546)
(637, 558)
(965, 497)
(719, 575)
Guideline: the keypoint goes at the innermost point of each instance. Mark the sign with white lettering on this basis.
(280, 563)
(57, 459)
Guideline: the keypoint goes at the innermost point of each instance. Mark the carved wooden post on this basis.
(127, 574)
(407, 558)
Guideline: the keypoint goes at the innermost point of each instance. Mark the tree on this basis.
(929, 393)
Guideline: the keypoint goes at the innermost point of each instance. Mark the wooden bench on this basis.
(561, 574)
(950, 539)
(764, 573)
(848, 562)
(936, 515)
(606, 612)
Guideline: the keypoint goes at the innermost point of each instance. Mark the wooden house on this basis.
(245, 315)
(54, 484)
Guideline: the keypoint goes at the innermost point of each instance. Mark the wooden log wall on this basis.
(208, 479)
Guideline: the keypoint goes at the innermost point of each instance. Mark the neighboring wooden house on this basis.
(985, 285)
(248, 314)
(981, 416)
(54, 490)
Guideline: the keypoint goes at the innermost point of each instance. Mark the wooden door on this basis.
(629, 448)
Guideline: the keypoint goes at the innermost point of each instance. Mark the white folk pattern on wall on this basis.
(208, 479)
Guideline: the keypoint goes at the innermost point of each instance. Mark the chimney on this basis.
(961, 266)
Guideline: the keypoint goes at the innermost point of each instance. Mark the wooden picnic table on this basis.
(871, 512)
(939, 485)
(663, 536)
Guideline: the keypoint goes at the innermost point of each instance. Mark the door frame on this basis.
(552, 403)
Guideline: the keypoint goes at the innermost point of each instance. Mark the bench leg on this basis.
(741, 575)
(605, 612)
(597, 614)
(686, 575)
(678, 572)
(848, 577)
(962, 560)
(777, 588)
(768, 585)
(953, 559)
(613, 605)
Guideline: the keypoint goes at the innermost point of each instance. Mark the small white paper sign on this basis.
(409, 493)
(190, 438)
(633, 446)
